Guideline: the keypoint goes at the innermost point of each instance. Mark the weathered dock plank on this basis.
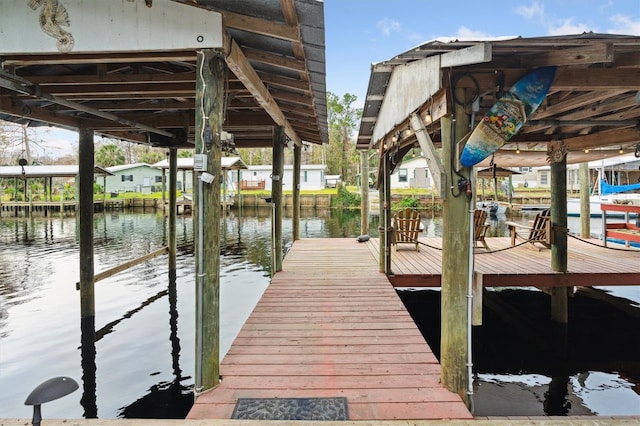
(589, 264)
(331, 325)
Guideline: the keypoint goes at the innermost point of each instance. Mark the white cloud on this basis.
(388, 26)
(466, 33)
(624, 25)
(567, 26)
(536, 10)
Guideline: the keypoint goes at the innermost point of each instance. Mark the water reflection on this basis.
(136, 361)
(88, 359)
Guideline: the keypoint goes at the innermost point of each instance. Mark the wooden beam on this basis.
(596, 79)
(572, 102)
(585, 55)
(433, 158)
(79, 59)
(603, 139)
(273, 59)
(260, 26)
(126, 265)
(90, 23)
(240, 66)
(480, 53)
(112, 78)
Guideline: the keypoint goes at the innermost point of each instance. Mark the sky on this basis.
(359, 33)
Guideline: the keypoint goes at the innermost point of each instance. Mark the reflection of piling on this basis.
(88, 361)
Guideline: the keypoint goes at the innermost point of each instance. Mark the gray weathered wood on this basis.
(209, 110)
(559, 300)
(276, 194)
(173, 205)
(585, 207)
(455, 263)
(364, 192)
(85, 174)
(431, 155)
(297, 158)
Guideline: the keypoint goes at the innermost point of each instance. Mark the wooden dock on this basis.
(331, 325)
(589, 264)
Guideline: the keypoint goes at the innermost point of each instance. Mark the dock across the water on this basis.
(331, 326)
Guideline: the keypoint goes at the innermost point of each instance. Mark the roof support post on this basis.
(85, 175)
(384, 187)
(297, 159)
(209, 117)
(173, 206)
(279, 140)
(585, 206)
(559, 302)
(364, 192)
(455, 262)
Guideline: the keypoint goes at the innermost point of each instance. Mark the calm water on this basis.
(142, 359)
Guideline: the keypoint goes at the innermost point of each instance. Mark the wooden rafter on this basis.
(240, 66)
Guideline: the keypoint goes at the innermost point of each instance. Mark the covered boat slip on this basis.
(330, 325)
(176, 75)
(589, 112)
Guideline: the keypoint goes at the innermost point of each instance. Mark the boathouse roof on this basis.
(593, 103)
(144, 89)
(186, 163)
(47, 171)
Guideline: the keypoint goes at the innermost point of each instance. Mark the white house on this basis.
(413, 173)
(139, 177)
(311, 176)
(620, 170)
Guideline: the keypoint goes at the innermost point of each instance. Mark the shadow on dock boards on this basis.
(527, 365)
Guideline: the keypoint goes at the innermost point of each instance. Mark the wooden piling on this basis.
(455, 260)
(297, 159)
(585, 207)
(559, 300)
(384, 194)
(364, 192)
(209, 113)
(85, 175)
(173, 205)
(279, 140)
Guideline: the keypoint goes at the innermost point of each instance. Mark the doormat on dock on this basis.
(291, 409)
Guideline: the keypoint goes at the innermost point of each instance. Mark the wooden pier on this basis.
(331, 325)
(589, 264)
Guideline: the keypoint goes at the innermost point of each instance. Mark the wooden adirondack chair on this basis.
(480, 227)
(406, 227)
(539, 230)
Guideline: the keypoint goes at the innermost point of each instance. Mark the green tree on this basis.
(109, 155)
(343, 120)
(151, 155)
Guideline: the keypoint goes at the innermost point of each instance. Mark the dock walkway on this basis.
(330, 325)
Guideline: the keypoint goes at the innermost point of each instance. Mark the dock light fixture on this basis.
(517, 148)
(49, 390)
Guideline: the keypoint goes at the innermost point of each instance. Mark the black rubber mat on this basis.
(291, 409)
